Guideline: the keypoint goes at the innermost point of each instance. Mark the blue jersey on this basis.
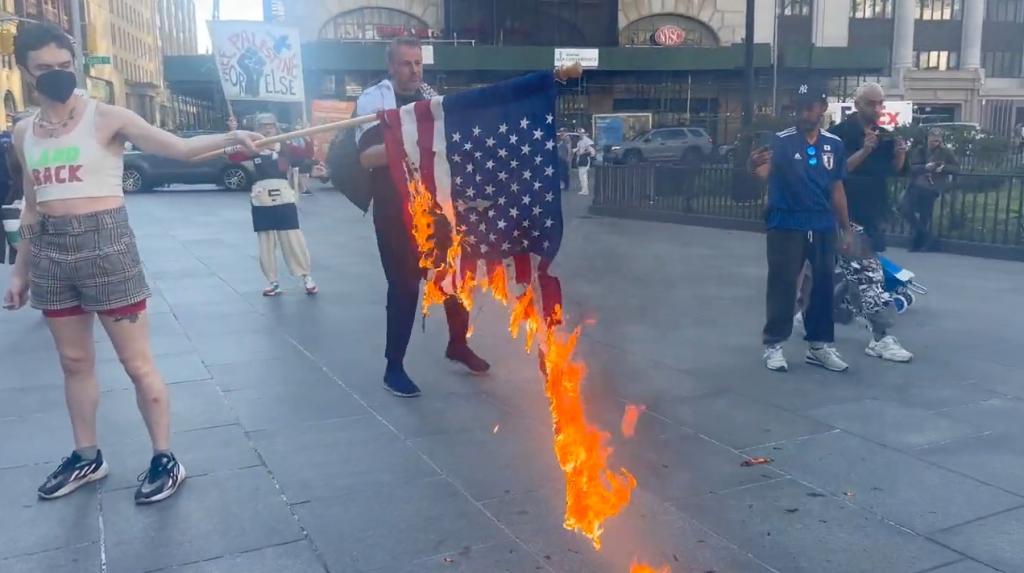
(800, 185)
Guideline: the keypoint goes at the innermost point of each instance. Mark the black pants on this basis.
(564, 171)
(787, 251)
(399, 257)
(918, 208)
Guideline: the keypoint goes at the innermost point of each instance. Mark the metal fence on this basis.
(981, 214)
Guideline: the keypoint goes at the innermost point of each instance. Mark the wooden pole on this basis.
(562, 74)
(309, 131)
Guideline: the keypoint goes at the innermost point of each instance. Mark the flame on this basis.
(525, 313)
(593, 491)
(497, 284)
(630, 418)
(638, 567)
(423, 209)
(465, 291)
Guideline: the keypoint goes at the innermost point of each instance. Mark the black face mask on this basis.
(57, 85)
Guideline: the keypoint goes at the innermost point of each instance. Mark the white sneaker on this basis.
(273, 290)
(827, 357)
(311, 288)
(890, 349)
(774, 359)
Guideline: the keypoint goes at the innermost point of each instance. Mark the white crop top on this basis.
(74, 165)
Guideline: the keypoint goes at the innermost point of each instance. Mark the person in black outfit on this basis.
(398, 251)
(10, 191)
(931, 171)
(873, 154)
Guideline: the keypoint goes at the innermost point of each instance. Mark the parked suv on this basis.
(690, 145)
(144, 171)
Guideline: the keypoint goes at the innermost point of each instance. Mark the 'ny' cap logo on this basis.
(803, 88)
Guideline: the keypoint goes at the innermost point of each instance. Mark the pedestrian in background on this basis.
(804, 167)
(931, 172)
(565, 152)
(585, 154)
(873, 155)
(275, 215)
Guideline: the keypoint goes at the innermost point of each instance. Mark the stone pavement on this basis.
(300, 462)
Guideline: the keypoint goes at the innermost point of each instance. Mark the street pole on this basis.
(748, 68)
(775, 60)
(76, 33)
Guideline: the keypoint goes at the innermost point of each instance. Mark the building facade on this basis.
(176, 21)
(681, 60)
(127, 31)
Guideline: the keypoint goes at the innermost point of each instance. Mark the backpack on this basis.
(347, 174)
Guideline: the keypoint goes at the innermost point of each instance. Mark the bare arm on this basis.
(155, 140)
(839, 206)
(870, 143)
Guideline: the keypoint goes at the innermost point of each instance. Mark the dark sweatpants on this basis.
(787, 251)
(401, 268)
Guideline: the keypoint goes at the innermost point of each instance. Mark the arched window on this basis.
(642, 32)
(373, 24)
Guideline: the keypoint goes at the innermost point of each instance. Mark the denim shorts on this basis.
(85, 263)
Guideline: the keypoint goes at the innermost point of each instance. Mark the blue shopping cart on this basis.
(902, 284)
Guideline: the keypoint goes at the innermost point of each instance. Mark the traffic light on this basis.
(6, 41)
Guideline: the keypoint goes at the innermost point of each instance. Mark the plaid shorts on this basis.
(88, 262)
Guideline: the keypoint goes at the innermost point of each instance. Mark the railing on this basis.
(976, 210)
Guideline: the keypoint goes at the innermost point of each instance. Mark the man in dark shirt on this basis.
(398, 251)
(804, 168)
(873, 154)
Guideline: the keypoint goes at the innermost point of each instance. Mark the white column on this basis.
(831, 24)
(903, 35)
(970, 47)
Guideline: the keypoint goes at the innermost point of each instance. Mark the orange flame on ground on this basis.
(594, 492)
(630, 418)
(637, 567)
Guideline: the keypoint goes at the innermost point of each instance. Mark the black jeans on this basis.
(564, 171)
(787, 251)
(401, 268)
(918, 208)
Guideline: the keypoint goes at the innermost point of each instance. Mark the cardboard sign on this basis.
(257, 61)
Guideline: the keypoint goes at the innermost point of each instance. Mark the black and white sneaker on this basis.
(164, 476)
(73, 473)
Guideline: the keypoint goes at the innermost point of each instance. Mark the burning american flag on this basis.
(489, 158)
(478, 173)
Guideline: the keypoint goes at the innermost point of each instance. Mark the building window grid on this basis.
(940, 9)
(795, 7)
(1005, 11)
(871, 9)
(1000, 64)
(937, 60)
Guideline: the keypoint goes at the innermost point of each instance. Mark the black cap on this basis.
(810, 92)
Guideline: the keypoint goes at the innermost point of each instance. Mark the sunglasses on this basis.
(812, 155)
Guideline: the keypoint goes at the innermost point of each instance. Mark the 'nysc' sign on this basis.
(894, 113)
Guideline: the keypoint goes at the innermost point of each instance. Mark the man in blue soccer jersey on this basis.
(804, 167)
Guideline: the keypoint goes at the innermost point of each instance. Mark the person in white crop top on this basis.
(78, 256)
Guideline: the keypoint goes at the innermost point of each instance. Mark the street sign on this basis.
(98, 60)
